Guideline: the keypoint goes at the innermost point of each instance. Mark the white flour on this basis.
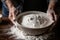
(35, 21)
(17, 34)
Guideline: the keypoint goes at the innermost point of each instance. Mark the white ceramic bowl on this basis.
(38, 30)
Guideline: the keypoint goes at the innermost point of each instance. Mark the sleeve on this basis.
(4, 4)
(49, 1)
(3, 0)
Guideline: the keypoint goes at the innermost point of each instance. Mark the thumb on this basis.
(11, 16)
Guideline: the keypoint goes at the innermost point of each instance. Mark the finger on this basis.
(50, 15)
(54, 16)
(13, 16)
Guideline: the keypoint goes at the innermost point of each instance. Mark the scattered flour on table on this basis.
(18, 34)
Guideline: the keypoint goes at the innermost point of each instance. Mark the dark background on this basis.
(0, 4)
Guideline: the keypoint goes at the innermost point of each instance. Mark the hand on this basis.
(12, 13)
(52, 14)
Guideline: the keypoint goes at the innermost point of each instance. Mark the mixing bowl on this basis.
(38, 30)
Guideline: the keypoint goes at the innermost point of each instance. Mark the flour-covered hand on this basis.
(52, 14)
(12, 13)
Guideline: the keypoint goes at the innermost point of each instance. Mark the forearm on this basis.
(52, 4)
(9, 4)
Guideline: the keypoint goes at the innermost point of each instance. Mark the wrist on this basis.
(12, 8)
(52, 4)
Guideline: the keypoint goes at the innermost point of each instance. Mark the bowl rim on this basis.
(29, 12)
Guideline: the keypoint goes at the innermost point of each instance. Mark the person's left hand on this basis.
(12, 13)
(52, 14)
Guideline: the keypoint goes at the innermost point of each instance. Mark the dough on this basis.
(34, 21)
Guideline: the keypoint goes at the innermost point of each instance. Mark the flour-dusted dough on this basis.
(35, 21)
(29, 20)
